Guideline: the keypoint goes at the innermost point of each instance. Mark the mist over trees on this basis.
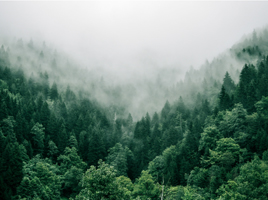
(69, 132)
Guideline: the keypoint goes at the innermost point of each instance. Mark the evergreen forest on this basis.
(59, 140)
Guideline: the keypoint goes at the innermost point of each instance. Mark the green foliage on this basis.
(100, 183)
(191, 194)
(201, 147)
(229, 191)
(40, 180)
(208, 138)
(52, 150)
(126, 185)
(70, 158)
(233, 124)
(119, 157)
(199, 177)
(72, 142)
(165, 167)
(226, 153)
(96, 147)
(145, 188)
(71, 168)
(225, 101)
(228, 84)
(38, 137)
(250, 184)
(54, 92)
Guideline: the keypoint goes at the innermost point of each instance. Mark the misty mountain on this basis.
(130, 90)
(90, 132)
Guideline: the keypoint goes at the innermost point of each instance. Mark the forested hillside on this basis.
(142, 89)
(59, 142)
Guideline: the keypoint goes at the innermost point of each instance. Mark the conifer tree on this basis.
(96, 148)
(45, 115)
(38, 138)
(11, 165)
(225, 101)
(228, 84)
(165, 111)
(54, 92)
(72, 142)
(3, 110)
(62, 138)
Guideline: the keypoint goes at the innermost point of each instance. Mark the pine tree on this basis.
(62, 138)
(11, 165)
(228, 84)
(72, 142)
(225, 101)
(38, 138)
(129, 121)
(44, 115)
(165, 111)
(52, 150)
(3, 110)
(251, 97)
(96, 148)
(155, 119)
(54, 92)
(53, 128)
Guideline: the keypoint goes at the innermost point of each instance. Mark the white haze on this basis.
(124, 34)
(135, 42)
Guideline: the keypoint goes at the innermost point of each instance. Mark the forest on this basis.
(208, 141)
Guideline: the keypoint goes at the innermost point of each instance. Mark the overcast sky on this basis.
(120, 33)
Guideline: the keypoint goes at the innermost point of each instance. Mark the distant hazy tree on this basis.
(54, 92)
(165, 111)
(31, 44)
(228, 84)
(129, 121)
(69, 94)
(41, 55)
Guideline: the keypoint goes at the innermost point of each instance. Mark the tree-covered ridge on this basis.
(155, 84)
(56, 143)
(41, 124)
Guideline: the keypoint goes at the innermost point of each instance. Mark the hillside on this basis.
(130, 91)
(68, 131)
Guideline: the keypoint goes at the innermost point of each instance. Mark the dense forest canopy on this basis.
(69, 133)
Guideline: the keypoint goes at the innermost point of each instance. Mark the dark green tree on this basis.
(54, 92)
(38, 138)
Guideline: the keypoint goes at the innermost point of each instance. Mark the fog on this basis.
(119, 33)
(134, 40)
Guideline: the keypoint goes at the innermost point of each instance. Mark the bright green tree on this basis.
(100, 183)
(40, 179)
(145, 187)
(119, 157)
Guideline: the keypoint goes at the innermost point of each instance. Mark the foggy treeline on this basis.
(134, 91)
(70, 130)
